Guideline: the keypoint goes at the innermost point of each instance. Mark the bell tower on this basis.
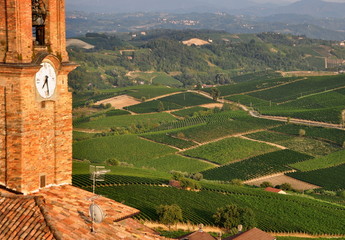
(35, 104)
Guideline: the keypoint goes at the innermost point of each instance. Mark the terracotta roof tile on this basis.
(21, 217)
(62, 213)
(252, 234)
(198, 235)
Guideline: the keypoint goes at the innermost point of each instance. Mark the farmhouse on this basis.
(198, 235)
(274, 190)
(252, 234)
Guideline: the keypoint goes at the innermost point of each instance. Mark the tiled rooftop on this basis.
(63, 213)
(252, 234)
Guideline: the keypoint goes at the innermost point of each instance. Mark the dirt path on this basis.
(280, 178)
(268, 143)
(193, 228)
(84, 130)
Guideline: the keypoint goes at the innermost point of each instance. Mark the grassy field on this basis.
(125, 148)
(331, 160)
(273, 212)
(255, 167)
(305, 145)
(229, 150)
(332, 178)
(105, 123)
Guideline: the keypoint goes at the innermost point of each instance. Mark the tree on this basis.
(169, 214)
(112, 162)
(215, 94)
(231, 216)
(301, 132)
(286, 186)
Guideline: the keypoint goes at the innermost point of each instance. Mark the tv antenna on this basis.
(97, 174)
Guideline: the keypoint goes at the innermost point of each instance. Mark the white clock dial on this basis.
(46, 80)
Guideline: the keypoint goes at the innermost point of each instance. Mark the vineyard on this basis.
(229, 150)
(172, 102)
(248, 86)
(258, 166)
(125, 148)
(169, 140)
(189, 112)
(335, 136)
(331, 160)
(305, 145)
(273, 212)
(105, 123)
(177, 163)
(301, 88)
(332, 178)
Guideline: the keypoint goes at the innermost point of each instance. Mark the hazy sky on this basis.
(290, 1)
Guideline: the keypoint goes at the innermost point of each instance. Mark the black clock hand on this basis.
(46, 83)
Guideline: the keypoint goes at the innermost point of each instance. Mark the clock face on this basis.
(46, 80)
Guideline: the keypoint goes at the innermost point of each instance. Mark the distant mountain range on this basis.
(315, 8)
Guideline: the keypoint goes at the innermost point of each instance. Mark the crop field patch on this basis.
(273, 212)
(229, 150)
(177, 163)
(149, 91)
(258, 166)
(332, 178)
(165, 138)
(292, 91)
(336, 136)
(189, 111)
(125, 148)
(105, 123)
(305, 145)
(330, 160)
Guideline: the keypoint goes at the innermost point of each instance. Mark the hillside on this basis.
(159, 57)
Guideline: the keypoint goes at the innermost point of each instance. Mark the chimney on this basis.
(219, 236)
(201, 226)
(239, 228)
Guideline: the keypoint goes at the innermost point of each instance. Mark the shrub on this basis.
(112, 162)
(266, 184)
(197, 176)
(301, 132)
(237, 182)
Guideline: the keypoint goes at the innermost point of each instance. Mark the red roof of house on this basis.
(198, 235)
(271, 189)
(63, 213)
(252, 234)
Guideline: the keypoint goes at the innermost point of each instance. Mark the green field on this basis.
(177, 163)
(335, 136)
(331, 160)
(332, 178)
(169, 140)
(273, 212)
(292, 91)
(305, 145)
(125, 148)
(79, 136)
(229, 150)
(248, 86)
(172, 102)
(105, 123)
(226, 124)
(189, 112)
(149, 91)
(255, 167)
